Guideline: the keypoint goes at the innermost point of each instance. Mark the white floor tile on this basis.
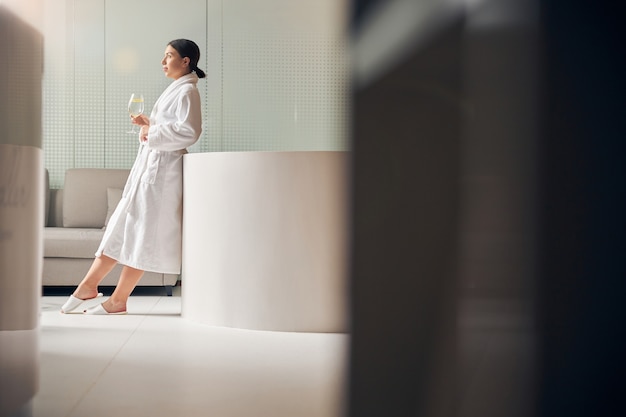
(152, 362)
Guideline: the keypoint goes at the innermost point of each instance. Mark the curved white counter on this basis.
(265, 240)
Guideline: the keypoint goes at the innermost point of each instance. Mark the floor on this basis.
(152, 362)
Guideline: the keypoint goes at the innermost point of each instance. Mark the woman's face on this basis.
(173, 65)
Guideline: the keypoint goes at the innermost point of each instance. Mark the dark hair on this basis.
(189, 49)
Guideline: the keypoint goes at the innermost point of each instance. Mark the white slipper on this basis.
(99, 310)
(72, 303)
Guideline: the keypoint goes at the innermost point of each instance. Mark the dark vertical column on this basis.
(444, 255)
(498, 234)
(405, 201)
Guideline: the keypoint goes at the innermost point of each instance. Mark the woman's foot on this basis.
(74, 302)
(100, 309)
(85, 293)
(113, 307)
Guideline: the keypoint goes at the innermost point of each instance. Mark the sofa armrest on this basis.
(55, 210)
(46, 188)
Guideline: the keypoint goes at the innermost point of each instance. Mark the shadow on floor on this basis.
(107, 290)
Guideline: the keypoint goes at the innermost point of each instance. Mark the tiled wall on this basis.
(277, 75)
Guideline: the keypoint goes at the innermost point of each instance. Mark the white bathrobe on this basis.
(145, 231)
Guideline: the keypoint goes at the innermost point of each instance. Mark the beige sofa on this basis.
(75, 218)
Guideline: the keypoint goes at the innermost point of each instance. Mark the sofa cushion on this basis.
(114, 195)
(46, 197)
(85, 195)
(61, 242)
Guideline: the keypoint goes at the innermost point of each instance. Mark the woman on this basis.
(145, 231)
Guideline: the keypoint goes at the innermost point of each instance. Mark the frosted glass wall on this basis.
(276, 75)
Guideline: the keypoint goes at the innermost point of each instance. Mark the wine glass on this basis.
(135, 108)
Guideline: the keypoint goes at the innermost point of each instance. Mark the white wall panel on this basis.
(58, 87)
(213, 124)
(277, 75)
(285, 75)
(89, 84)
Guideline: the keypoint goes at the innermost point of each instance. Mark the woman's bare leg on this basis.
(127, 283)
(88, 287)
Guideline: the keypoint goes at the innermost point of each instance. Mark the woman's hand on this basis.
(143, 133)
(141, 120)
